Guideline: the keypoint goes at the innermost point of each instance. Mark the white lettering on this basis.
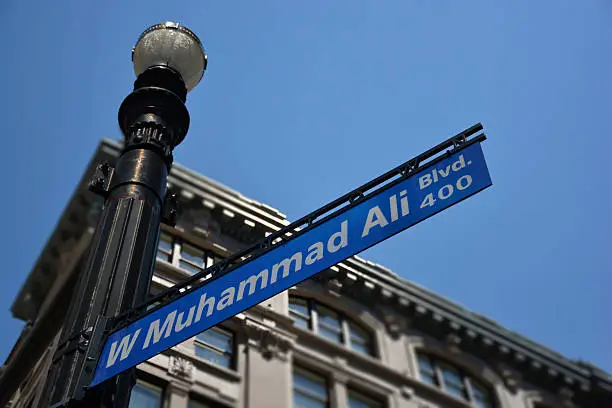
(393, 207)
(315, 249)
(227, 298)
(156, 333)
(424, 181)
(375, 217)
(442, 195)
(428, 201)
(443, 173)
(210, 303)
(468, 182)
(251, 282)
(404, 203)
(286, 265)
(125, 347)
(180, 325)
(342, 235)
(459, 164)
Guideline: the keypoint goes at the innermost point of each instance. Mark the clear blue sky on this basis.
(304, 101)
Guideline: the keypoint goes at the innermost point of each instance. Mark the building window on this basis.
(309, 390)
(183, 255)
(309, 314)
(215, 345)
(299, 310)
(145, 395)
(359, 400)
(191, 259)
(329, 324)
(197, 404)
(454, 381)
(360, 339)
(164, 247)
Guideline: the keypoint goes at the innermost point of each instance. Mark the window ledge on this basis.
(194, 239)
(337, 348)
(443, 397)
(267, 312)
(216, 370)
(359, 363)
(170, 272)
(206, 366)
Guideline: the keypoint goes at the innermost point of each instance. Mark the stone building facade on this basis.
(357, 335)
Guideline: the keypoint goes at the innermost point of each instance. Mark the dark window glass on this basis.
(309, 390)
(164, 247)
(298, 309)
(454, 381)
(330, 324)
(145, 396)
(482, 398)
(359, 339)
(216, 346)
(358, 400)
(192, 259)
(197, 404)
(427, 371)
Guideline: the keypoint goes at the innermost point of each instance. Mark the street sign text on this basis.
(374, 219)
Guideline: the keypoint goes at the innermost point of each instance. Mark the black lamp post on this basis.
(169, 61)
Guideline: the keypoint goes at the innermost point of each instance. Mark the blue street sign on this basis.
(371, 221)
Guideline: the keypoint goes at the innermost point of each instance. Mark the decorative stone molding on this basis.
(566, 395)
(511, 379)
(270, 343)
(536, 365)
(181, 368)
(202, 232)
(334, 285)
(340, 377)
(452, 342)
(340, 362)
(487, 342)
(395, 325)
(407, 392)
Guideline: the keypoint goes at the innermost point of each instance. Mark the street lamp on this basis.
(169, 61)
(172, 45)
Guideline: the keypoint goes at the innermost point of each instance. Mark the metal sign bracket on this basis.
(89, 342)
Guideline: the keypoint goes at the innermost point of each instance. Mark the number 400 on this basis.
(447, 190)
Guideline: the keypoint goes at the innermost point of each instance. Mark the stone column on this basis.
(268, 367)
(177, 395)
(396, 354)
(181, 372)
(339, 392)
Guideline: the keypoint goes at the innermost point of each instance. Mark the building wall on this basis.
(268, 350)
(271, 352)
(268, 347)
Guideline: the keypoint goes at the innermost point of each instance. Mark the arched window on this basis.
(454, 381)
(332, 325)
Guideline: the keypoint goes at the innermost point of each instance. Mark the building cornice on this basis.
(245, 220)
(468, 331)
